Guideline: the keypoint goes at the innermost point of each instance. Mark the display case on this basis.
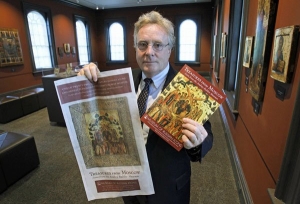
(59, 72)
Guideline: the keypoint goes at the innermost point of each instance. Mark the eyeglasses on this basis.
(143, 45)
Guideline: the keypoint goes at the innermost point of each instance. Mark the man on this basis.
(170, 169)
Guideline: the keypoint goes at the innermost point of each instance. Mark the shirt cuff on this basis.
(194, 153)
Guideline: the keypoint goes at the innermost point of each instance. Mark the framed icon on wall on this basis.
(284, 53)
(10, 48)
(248, 51)
(265, 22)
(67, 48)
(223, 45)
(60, 51)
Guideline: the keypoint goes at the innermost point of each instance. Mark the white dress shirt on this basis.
(154, 91)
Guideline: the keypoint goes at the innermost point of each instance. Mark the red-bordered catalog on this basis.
(188, 95)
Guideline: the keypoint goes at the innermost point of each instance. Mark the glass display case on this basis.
(59, 72)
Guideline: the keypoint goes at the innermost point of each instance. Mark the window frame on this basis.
(88, 35)
(233, 72)
(217, 27)
(179, 20)
(46, 13)
(108, 23)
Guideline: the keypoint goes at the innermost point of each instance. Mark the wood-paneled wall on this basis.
(260, 139)
(204, 10)
(11, 16)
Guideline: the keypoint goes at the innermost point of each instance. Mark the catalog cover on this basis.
(189, 95)
(104, 127)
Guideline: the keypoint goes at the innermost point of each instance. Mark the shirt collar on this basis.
(159, 78)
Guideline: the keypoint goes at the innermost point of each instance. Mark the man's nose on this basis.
(149, 49)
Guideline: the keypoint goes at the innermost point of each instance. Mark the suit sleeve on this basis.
(197, 153)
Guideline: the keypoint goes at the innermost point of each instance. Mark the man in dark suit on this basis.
(170, 169)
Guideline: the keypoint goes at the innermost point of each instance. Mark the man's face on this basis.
(150, 60)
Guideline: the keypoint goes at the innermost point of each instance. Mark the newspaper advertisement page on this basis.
(105, 130)
(188, 95)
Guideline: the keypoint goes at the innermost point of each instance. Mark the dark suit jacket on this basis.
(170, 169)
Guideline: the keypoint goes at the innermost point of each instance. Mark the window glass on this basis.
(82, 42)
(116, 42)
(187, 40)
(39, 40)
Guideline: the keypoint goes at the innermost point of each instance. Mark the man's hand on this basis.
(91, 72)
(193, 133)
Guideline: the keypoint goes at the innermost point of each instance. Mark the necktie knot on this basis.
(147, 81)
(143, 97)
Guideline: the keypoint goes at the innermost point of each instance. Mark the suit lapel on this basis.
(171, 74)
(136, 75)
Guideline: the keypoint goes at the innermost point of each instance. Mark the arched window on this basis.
(82, 42)
(40, 37)
(116, 49)
(39, 40)
(187, 40)
(116, 42)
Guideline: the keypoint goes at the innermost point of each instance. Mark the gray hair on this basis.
(154, 17)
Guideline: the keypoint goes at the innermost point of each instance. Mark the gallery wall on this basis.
(130, 16)
(260, 139)
(21, 76)
(11, 16)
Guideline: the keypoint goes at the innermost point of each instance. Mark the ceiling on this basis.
(111, 4)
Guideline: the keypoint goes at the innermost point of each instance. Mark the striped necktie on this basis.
(142, 99)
